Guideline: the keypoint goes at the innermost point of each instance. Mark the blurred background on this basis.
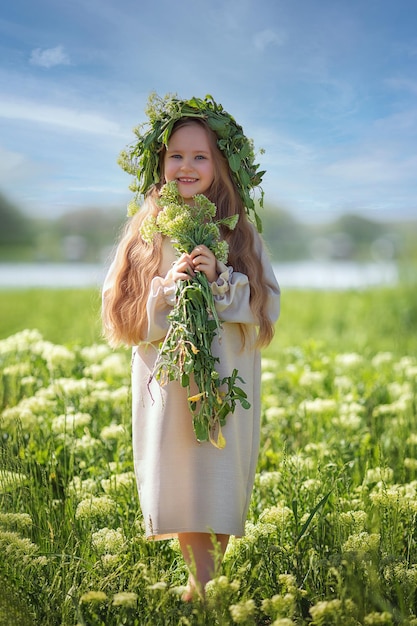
(76, 247)
(88, 235)
(327, 89)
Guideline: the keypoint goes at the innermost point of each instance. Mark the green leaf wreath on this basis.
(141, 158)
(185, 354)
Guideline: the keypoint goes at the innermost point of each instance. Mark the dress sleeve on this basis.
(232, 292)
(161, 299)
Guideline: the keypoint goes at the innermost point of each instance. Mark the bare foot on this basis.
(192, 591)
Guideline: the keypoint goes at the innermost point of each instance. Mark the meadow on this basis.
(331, 537)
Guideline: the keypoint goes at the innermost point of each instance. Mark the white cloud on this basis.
(267, 37)
(31, 111)
(374, 169)
(49, 57)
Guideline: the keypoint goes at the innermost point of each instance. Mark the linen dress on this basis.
(185, 485)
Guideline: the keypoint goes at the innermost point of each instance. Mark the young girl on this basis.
(189, 489)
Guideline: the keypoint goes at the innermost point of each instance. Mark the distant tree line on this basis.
(88, 235)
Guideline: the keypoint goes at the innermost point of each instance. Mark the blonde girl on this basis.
(188, 489)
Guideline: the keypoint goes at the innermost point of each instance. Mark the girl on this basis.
(187, 489)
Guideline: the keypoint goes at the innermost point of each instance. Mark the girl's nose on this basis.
(186, 165)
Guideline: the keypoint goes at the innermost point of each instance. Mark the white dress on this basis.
(184, 485)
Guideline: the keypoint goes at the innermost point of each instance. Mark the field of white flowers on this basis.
(331, 537)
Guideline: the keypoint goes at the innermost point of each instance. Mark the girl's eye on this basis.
(175, 156)
(200, 156)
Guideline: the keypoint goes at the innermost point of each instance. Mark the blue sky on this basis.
(327, 87)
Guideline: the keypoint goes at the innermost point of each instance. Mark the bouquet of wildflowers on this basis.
(185, 354)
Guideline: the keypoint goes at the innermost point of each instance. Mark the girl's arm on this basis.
(161, 297)
(232, 292)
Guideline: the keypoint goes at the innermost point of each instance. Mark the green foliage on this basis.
(287, 238)
(381, 318)
(330, 537)
(16, 233)
(141, 159)
(375, 319)
(88, 235)
(62, 315)
(193, 321)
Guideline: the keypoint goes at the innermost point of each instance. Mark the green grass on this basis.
(331, 534)
(66, 316)
(374, 319)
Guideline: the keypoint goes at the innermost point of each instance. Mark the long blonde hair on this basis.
(136, 262)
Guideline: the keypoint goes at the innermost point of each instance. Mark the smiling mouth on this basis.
(187, 180)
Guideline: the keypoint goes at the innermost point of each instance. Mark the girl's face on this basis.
(189, 161)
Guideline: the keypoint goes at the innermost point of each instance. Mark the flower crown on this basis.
(141, 159)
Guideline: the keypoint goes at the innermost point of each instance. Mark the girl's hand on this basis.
(203, 260)
(182, 269)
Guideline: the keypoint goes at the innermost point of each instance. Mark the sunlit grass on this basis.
(373, 319)
(330, 537)
(61, 315)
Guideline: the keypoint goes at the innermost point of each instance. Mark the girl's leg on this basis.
(200, 555)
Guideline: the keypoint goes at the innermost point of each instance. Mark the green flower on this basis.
(186, 350)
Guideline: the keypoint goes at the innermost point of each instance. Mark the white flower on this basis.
(275, 413)
(353, 520)
(108, 540)
(378, 619)
(222, 585)
(93, 597)
(17, 520)
(362, 543)
(118, 482)
(310, 378)
(410, 464)
(381, 358)
(350, 422)
(242, 611)
(95, 507)
(94, 353)
(110, 561)
(342, 383)
(349, 360)
(69, 422)
(269, 364)
(10, 480)
(20, 342)
(324, 609)
(68, 387)
(128, 599)
(86, 443)
(279, 605)
(82, 488)
(268, 377)
(57, 357)
(16, 547)
(113, 366)
(318, 405)
(311, 484)
(17, 369)
(113, 432)
(379, 474)
(269, 479)
(278, 515)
